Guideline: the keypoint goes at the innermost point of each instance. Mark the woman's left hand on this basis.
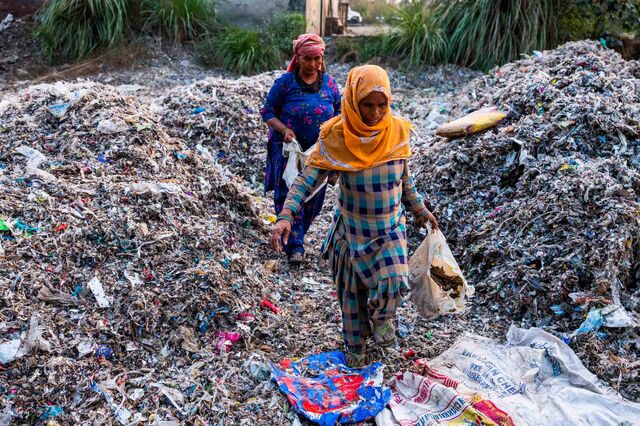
(428, 218)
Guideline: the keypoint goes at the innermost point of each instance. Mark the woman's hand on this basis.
(280, 234)
(428, 218)
(288, 135)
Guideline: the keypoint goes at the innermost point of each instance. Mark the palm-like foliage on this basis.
(179, 19)
(418, 38)
(72, 29)
(484, 33)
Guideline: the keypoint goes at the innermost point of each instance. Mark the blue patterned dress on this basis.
(303, 111)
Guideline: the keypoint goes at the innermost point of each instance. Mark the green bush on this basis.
(73, 29)
(485, 33)
(286, 27)
(179, 20)
(418, 38)
(594, 18)
(240, 50)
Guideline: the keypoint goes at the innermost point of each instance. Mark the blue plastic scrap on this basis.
(326, 391)
(205, 324)
(51, 411)
(593, 322)
(60, 109)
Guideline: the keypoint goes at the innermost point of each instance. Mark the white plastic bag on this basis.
(296, 160)
(295, 163)
(437, 284)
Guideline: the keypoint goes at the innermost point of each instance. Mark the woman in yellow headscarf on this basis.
(369, 147)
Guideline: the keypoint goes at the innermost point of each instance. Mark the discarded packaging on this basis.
(438, 285)
(470, 124)
(535, 379)
(326, 391)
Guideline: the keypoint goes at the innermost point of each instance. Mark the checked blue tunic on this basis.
(367, 242)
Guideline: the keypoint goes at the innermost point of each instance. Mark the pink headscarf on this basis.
(308, 45)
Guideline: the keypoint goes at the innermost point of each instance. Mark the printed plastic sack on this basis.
(325, 390)
(296, 160)
(535, 378)
(437, 284)
(436, 399)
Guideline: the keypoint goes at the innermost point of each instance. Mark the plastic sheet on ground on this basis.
(325, 390)
(535, 378)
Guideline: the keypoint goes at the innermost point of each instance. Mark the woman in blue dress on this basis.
(297, 104)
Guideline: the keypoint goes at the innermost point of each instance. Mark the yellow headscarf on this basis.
(346, 143)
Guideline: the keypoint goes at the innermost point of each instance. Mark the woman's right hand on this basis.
(280, 234)
(289, 135)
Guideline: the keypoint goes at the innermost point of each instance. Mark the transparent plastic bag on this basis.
(438, 286)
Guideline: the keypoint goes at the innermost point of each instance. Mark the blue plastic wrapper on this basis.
(60, 109)
(326, 391)
(104, 351)
(592, 323)
(50, 412)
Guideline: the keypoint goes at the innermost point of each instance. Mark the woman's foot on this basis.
(356, 359)
(296, 258)
(385, 333)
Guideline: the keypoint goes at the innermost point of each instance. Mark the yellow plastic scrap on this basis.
(270, 218)
(475, 122)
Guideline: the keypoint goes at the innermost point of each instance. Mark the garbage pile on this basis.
(223, 116)
(544, 209)
(130, 267)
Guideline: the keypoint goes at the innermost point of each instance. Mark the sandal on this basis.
(356, 360)
(296, 258)
(385, 334)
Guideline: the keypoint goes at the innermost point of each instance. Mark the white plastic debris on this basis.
(112, 125)
(98, 292)
(9, 351)
(85, 348)
(6, 22)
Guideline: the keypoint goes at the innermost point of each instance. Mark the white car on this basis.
(354, 17)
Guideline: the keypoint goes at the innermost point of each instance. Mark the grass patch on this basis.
(73, 29)
(248, 51)
(179, 20)
(239, 50)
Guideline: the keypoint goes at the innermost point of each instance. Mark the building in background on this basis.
(327, 17)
